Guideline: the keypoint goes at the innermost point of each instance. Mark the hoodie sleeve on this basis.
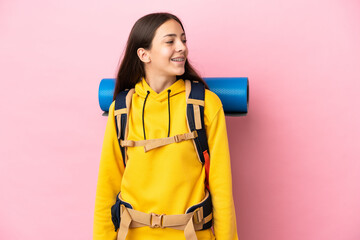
(220, 181)
(111, 170)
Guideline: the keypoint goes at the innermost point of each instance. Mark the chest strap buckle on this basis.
(156, 220)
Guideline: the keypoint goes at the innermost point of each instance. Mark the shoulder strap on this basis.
(121, 112)
(195, 96)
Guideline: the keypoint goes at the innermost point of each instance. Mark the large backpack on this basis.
(195, 95)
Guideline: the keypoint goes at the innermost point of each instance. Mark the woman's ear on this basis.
(143, 55)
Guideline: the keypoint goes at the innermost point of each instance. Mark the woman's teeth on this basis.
(177, 59)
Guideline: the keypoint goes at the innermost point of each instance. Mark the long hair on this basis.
(132, 69)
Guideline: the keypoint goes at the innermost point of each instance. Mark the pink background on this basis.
(295, 156)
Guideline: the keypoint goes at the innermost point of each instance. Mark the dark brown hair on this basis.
(132, 69)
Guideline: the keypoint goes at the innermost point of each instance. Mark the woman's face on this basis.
(168, 52)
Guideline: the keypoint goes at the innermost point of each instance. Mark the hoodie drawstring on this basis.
(169, 111)
(148, 92)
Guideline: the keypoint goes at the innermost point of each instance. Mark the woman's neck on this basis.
(160, 83)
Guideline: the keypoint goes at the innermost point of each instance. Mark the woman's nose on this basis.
(181, 46)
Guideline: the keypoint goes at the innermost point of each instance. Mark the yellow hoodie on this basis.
(169, 179)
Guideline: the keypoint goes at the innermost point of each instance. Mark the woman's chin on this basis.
(180, 72)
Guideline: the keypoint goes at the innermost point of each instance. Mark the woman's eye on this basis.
(184, 41)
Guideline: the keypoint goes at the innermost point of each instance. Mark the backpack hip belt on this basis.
(197, 217)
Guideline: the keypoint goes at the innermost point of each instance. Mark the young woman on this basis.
(163, 183)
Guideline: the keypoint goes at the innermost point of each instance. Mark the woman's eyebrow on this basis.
(172, 35)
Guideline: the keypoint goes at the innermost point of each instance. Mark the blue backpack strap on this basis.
(122, 107)
(195, 96)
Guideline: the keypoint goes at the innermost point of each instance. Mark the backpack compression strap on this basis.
(195, 96)
(122, 108)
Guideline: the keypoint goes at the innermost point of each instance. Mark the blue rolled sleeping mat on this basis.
(232, 91)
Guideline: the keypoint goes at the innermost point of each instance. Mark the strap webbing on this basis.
(195, 97)
(121, 113)
(158, 142)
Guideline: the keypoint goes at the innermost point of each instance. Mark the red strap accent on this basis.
(207, 168)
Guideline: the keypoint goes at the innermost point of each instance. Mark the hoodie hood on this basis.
(142, 88)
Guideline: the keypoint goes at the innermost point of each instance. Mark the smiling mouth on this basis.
(180, 59)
